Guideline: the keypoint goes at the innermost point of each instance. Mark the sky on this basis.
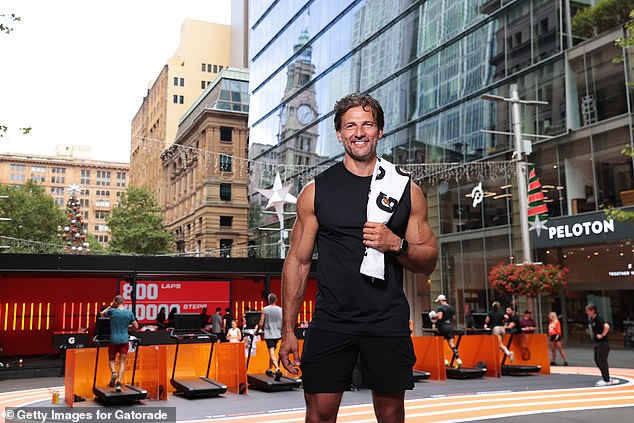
(76, 71)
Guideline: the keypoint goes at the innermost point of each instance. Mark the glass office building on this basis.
(428, 63)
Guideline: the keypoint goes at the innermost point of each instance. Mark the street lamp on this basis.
(521, 147)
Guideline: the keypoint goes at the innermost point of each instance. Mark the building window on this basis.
(85, 177)
(225, 192)
(37, 178)
(203, 85)
(208, 67)
(225, 133)
(220, 68)
(225, 247)
(225, 163)
(101, 215)
(215, 68)
(61, 170)
(182, 82)
(175, 99)
(38, 169)
(226, 221)
(181, 99)
(204, 67)
(59, 202)
(120, 179)
(103, 178)
(176, 81)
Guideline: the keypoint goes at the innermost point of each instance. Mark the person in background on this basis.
(234, 334)
(171, 318)
(495, 321)
(226, 322)
(512, 324)
(600, 329)
(160, 318)
(271, 323)
(204, 318)
(443, 317)
(527, 324)
(121, 319)
(217, 324)
(554, 336)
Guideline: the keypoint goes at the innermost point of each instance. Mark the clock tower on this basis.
(296, 143)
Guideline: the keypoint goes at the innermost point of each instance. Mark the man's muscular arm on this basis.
(295, 274)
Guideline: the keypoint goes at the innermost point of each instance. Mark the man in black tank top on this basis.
(444, 324)
(355, 316)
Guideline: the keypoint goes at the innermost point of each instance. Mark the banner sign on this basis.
(185, 296)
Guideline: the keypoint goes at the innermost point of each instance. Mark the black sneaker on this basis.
(118, 387)
(278, 375)
(565, 363)
(113, 379)
(269, 373)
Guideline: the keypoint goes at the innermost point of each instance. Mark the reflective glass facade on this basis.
(428, 62)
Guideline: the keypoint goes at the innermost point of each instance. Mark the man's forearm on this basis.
(294, 279)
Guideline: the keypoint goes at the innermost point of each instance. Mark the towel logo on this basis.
(401, 171)
(381, 174)
(385, 203)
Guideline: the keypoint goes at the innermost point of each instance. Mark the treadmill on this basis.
(517, 369)
(129, 394)
(463, 372)
(262, 382)
(420, 375)
(187, 327)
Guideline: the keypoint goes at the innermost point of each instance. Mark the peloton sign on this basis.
(596, 227)
(590, 228)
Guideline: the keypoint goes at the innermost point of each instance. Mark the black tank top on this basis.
(347, 301)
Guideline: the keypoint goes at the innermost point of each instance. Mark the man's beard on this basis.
(359, 157)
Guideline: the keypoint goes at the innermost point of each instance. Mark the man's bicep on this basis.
(418, 230)
(305, 228)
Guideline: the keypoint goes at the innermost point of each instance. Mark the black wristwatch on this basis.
(402, 249)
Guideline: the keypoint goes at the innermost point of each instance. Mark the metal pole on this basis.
(521, 173)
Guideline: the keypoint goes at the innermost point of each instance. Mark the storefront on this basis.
(599, 254)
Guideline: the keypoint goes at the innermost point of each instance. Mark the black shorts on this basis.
(445, 331)
(272, 343)
(328, 359)
(554, 338)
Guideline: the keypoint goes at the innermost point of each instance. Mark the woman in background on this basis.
(554, 336)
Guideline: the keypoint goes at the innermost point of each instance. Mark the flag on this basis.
(537, 209)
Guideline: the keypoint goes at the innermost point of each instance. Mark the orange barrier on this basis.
(429, 356)
(475, 348)
(154, 368)
(530, 349)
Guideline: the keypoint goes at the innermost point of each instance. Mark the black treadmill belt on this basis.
(129, 394)
(262, 382)
(198, 387)
(465, 372)
(519, 369)
(420, 375)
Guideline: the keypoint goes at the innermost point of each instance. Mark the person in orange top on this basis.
(554, 333)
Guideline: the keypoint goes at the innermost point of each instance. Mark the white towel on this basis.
(386, 190)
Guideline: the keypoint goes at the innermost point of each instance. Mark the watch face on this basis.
(305, 114)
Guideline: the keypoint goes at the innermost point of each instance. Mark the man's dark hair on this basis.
(118, 300)
(591, 307)
(272, 298)
(364, 100)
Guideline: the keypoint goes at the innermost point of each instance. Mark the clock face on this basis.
(305, 114)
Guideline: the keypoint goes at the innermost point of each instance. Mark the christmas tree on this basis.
(74, 234)
(537, 209)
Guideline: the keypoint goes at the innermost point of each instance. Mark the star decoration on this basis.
(538, 225)
(74, 189)
(278, 196)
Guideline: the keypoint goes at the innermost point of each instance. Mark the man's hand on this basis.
(380, 237)
(289, 346)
